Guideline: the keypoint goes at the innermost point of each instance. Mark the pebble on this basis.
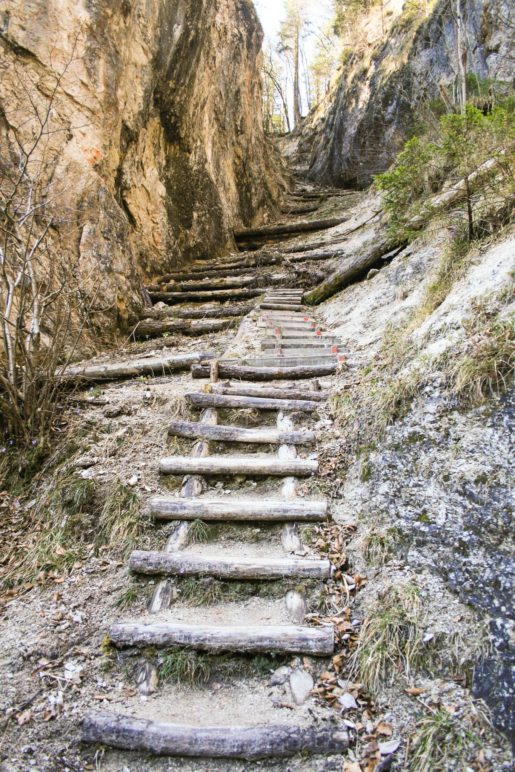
(280, 676)
(347, 701)
(301, 683)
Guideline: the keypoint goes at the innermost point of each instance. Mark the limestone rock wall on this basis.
(398, 61)
(153, 150)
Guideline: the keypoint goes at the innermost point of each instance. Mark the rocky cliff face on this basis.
(399, 62)
(153, 144)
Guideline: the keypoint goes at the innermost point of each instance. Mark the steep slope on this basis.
(397, 64)
(152, 148)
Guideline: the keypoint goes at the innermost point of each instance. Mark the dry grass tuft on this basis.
(390, 640)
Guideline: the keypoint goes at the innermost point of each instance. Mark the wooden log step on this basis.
(236, 742)
(291, 639)
(319, 344)
(239, 434)
(154, 366)
(316, 255)
(304, 326)
(281, 306)
(179, 564)
(238, 282)
(290, 361)
(302, 226)
(150, 328)
(270, 392)
(220, 312)
(246, 373)
(253, 465)
(239, 508)
(199, 399)
(203, 273)
(204, 296)
(296, 353)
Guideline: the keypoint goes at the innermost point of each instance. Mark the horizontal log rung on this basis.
(291, 639)
(271, 465)
(237, 742)
(238, 434)
(259, 403)
(179, 564)
(246, 373)
(239, 508)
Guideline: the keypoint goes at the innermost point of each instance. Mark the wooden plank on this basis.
(157, 563)
(246, 373)
(257, 742)
(154, 366)
(238, 464)
(204, 296)
(239, 508)
(238, 434)
(269, 392)
(291, 639)
(320, 344)
(290, 361)
(199, 399)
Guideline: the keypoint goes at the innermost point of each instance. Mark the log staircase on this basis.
(280, 381)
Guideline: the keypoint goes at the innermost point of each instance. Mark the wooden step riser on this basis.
(219, 433)
(187, 314)
(281, 307)
(265, 373)
(239, 509)
(269, 393)
(237, 465)
(287, 639)
(203, 297)
(286, 361)
(155, 366)
(226, 742)
(258, 403)
(170, 564)
(314, 346)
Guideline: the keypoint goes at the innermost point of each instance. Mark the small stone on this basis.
(347, 701)
(296, 606)
(280, 676)
(373, 272)
(301, 683)
(114, 411)
(133, 481)
(86, 462)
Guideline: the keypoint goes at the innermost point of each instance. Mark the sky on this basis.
(271, 12)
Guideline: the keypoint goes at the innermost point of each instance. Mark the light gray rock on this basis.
(301, 683)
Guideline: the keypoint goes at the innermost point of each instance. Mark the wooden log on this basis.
(219, 312)
(150, 328)
(245, 373)
(302, 226)
(320, 344)
(236, 742)
(306, 247)
(204, 296)
(270, 392)
(239, 434)
(316, 255)
(281, 306)
(239, 508)
(197, 272)
(291, 639)
(199, 399)
(291, 361)
(238, 282)
(154, 366)
(177, 564)
(262, 466)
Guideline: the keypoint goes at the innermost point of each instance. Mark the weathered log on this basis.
(281, 306)
(239, 508)
(155, 366)
(315, 255)
(306, 247)
(239, 434)
(236, 742)
(203, 273)
(219, 312)
(270, 392)
(292, 639)
(352, 269)
(267, 466)
(199, 399)
(179, 564)
(204, 296)
(318, 344)
(302, 226)
(245, 373)
(292, 361)
(150, 328)
(234, 282)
